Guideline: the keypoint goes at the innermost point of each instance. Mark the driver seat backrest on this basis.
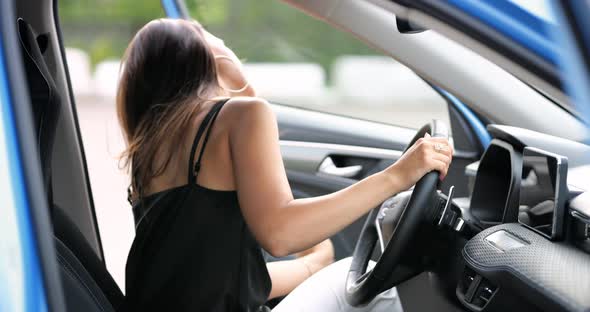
(87, 284)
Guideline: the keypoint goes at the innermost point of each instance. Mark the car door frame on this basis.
(41, 283)
(522, 46)
(574, 59)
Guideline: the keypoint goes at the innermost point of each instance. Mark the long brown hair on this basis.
(167, 72)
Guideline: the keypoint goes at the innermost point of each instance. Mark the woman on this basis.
(209, 187)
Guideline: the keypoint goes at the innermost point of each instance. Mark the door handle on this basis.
(329, 167)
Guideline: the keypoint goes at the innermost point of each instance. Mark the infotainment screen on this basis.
(543, 191)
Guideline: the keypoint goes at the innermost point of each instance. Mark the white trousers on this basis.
(324, 291)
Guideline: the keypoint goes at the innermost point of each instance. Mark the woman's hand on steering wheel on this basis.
(422, 164)
(427, 154)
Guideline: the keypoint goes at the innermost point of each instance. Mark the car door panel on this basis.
(303, 161)
(308, 156)
(309, 138)
(296, 124)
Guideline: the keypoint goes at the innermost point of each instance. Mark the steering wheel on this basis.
(362, 287)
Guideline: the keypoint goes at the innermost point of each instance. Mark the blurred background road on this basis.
(289, 58)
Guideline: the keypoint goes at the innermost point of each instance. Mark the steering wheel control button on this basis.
(504, 241)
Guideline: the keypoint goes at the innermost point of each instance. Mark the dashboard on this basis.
(530, 208)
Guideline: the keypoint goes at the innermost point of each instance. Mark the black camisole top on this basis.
(193, 250)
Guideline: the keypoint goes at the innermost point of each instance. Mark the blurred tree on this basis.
(109, 10)
(103, 28)
(258, 30)
(271, 31)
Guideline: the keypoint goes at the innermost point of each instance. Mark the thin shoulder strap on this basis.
(206, 125)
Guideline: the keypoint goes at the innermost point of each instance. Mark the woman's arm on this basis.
(288, 274)
(283, 225)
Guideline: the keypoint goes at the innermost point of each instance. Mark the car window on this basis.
(293, 59)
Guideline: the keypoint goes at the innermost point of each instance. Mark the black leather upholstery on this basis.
(80, 291)
(69, 235)
(87, 284)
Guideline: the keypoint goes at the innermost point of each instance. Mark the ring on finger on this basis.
(439, 147)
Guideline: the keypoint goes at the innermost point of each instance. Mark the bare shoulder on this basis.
(249, 105)
(249, 109)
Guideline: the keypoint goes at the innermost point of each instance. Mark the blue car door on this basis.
(28, 271)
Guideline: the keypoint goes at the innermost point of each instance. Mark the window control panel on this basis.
(474, 291)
